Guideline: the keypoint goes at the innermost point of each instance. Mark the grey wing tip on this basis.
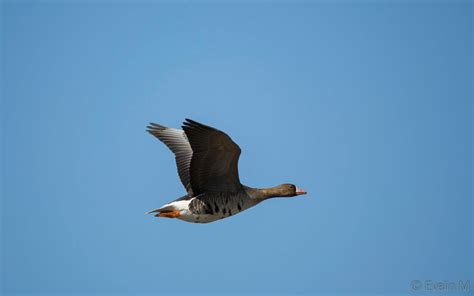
(153, 125)
(152, 128)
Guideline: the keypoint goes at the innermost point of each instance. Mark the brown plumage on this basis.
(207, 162)
(215, 158)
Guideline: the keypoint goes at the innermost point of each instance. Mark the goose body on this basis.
(207, 161)
(209, 207)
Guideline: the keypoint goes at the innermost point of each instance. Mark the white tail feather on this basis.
(179, 205)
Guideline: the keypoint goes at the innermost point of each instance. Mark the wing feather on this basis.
(178, 143)
(214, 163)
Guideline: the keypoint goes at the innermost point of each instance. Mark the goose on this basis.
(207, 163)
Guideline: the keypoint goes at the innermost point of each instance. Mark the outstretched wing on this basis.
(214, 164)
(177, 142)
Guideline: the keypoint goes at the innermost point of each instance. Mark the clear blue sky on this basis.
(366, 106)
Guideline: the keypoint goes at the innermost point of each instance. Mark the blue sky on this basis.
(366, 106)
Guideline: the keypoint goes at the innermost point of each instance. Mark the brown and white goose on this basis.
(207, 161)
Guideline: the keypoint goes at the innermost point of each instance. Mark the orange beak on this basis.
(300, 191)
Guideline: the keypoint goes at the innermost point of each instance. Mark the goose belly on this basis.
(198, 218)
(210, 210)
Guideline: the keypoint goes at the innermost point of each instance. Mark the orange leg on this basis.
(173, 214)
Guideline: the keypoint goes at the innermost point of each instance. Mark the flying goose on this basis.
(207, 161)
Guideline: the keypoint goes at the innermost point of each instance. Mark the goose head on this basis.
(288, 190)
